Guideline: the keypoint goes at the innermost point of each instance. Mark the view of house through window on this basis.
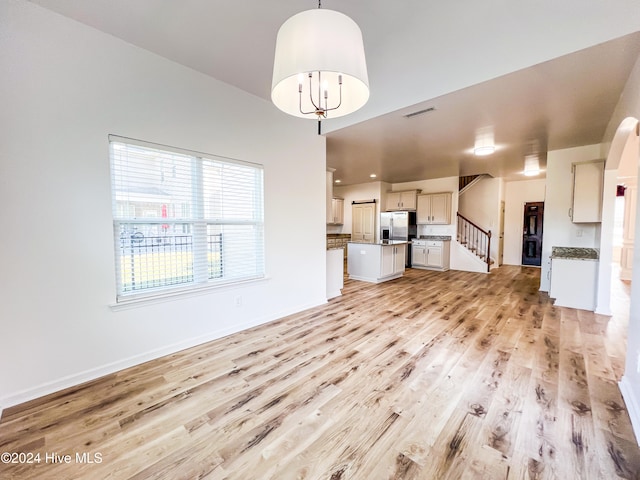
(183, 219)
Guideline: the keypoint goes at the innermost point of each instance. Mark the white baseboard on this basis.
(94, 373)
(633, 406)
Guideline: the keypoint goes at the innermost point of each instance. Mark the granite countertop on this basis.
(444, 238)
(575, 253)
(381, 242)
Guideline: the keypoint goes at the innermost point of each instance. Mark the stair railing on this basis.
(475, 239)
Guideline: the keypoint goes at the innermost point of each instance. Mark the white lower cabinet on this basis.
(573, 283)
(430, 254)
(375, 262)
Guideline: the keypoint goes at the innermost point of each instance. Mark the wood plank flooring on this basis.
(450, 375)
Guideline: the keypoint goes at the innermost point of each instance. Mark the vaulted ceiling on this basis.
(547, 73)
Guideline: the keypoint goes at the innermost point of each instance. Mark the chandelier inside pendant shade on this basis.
(319, 69)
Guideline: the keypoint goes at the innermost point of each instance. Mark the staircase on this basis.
(468, 181)
(475, 239)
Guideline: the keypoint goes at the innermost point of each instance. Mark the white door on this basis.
(440, 208)
(434, 256)
(417, 255)
(399, 258)
(363, 223)
(357, 233)
(387, 263)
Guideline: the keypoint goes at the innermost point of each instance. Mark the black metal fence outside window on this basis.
(158, 261)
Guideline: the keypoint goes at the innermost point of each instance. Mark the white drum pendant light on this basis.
(319, 69)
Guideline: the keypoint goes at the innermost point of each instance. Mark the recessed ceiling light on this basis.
(338, 181)
(373, 175)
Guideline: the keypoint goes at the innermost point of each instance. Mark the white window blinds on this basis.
(183, 219)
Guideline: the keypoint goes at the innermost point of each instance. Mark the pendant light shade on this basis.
(319, 68)
(531, 165)
(484, 142)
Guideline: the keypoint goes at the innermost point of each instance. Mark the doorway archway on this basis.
(625, 149)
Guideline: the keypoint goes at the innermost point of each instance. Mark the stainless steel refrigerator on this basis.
(399, 226)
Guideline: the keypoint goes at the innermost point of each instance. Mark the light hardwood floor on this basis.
(448, 375)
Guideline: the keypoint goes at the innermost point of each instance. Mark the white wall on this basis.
(481, 205)
(629, 107)
(517, 193)
(558, 229)
(64, 87)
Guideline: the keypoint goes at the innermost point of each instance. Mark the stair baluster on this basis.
(475, 239)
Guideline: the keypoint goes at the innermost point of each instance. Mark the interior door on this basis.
(369, 222)
(532, 234)
(363, 222)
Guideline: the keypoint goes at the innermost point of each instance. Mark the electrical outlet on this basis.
(638, 363)
(238, 301)
(579, 232)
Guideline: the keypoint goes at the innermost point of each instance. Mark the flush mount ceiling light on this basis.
(531, 159)
(484, 142)
(319, 68)
(531, 165)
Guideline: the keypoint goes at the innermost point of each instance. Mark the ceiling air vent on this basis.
(420, 112)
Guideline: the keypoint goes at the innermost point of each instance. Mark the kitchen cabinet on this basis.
(573, 277)
(406, 200)
(337, 211)
(573, 283)
(335, 272)
(431, 254)
(586, 201)
(363, 222)
(375, 262)
(392, 260)
(434, 209)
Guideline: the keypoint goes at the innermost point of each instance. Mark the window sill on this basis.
(169, 296)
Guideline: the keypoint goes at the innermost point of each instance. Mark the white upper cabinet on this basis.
(402, 200)
(434, 209)
(588, 181)
(337, 212)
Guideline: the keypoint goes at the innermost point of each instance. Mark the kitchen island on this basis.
(376, 262)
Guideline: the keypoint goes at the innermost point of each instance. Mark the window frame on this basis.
(198, 226)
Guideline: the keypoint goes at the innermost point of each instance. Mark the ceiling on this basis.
(548, 74)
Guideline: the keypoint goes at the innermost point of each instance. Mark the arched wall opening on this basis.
(621, 163)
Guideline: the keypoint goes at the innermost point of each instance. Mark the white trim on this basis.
(633, 406)
(180, 151)
(168, 295)
(94, 373)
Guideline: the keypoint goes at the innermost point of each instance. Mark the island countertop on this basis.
(575, 253)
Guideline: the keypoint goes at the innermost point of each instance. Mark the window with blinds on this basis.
(182, 219)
